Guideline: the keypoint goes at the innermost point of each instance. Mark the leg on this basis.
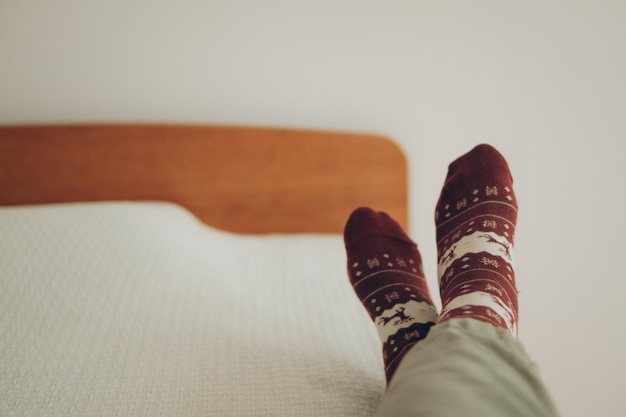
(385, 269)
(471, 362)
(476, 217)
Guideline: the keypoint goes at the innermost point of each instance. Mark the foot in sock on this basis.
(385, 269)
(475, 218)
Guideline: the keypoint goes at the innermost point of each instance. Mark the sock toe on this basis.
(366, 222)
(474, 163)
(481, 175)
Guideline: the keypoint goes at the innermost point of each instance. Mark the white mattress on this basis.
(137, 309)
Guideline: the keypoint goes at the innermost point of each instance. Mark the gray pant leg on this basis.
(466, 368)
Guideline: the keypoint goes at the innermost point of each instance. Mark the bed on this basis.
(187, 270)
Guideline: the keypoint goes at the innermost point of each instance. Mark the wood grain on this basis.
(240, 179)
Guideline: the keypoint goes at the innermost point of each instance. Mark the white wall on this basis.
(542, 80)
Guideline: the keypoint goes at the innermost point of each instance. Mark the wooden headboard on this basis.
(240, 179)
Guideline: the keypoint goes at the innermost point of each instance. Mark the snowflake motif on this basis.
(490, 223)
(491, 287)
(412, 335)
(491, 190)
(392, 296)
(371, 263)
(487, 261)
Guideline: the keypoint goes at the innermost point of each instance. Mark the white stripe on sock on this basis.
(489, 242)
(417, 311)
(483, 299)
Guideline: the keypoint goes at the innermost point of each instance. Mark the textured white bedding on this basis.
(137, 309)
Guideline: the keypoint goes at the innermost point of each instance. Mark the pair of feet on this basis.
(475, 218)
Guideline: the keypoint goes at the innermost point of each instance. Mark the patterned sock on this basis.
(475, 219)
(385, 269)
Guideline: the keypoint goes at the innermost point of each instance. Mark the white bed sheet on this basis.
(137, 309)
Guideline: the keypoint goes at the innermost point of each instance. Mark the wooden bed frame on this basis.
(240, 179)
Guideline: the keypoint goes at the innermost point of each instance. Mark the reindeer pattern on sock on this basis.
(473, 243)
(505, 245)
(402, 318)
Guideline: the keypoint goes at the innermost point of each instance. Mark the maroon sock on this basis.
(475, 218)
(385, 269)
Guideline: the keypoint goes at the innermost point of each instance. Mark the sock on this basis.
(385, 269)
(475, 218)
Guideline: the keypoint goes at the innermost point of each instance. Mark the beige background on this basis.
(541, 80)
